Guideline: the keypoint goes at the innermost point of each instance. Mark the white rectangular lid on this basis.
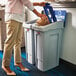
(51, 26)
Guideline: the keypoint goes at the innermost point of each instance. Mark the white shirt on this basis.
(15, 16)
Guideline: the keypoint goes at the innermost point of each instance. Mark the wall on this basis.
(68, 52)
(2, 2)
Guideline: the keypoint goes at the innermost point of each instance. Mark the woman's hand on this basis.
(42, 15)
(43, 21)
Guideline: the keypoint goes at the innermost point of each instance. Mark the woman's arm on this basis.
(35, 11)
(38, 14)
(39, 4)
(30, 6)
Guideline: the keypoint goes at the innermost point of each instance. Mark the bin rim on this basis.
(52, 26)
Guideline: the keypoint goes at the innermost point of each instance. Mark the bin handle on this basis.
(36, 60)
(26, 45)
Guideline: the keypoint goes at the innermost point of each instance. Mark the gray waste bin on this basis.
(47, 42)
(48, 45)
(29, 42)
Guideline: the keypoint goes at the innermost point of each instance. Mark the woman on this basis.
(14, 18)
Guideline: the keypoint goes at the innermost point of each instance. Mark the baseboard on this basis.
(70, 65)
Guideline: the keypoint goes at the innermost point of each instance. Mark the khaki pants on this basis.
(13, 40)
